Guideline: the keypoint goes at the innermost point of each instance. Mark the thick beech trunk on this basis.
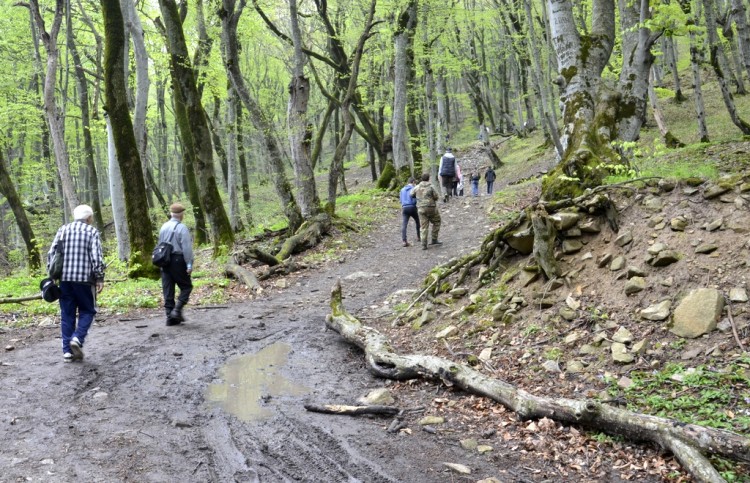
(140, 230)
(405, 23)
(739, 14)
(8, 189)
(691, 444)
(199, 138)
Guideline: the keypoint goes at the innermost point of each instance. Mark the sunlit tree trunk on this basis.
(299, 137)
(8, 189)
(234, 203)
(136, 207)
(117, 197)
(405, 23)
(186, 92)
(55, 119)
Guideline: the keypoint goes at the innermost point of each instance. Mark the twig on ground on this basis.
(734, 326)
(393, 324)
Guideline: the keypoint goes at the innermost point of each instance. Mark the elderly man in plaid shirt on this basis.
(83, 272)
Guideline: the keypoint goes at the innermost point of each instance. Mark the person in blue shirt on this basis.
(408, 210)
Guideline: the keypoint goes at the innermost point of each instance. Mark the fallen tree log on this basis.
(307, 236)
(353, 410)
(244, 275)
(690, 443)
(19, 300)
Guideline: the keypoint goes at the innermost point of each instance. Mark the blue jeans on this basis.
(77, 300)
(407, 212)
(475, 188)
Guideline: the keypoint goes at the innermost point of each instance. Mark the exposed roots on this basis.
(691, 444)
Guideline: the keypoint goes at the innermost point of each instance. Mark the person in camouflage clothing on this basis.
(427, 198)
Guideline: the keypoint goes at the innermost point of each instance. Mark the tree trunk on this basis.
(716, 57)
(406, 21)
(586, 129)
(229, 19)
(669, 139)
(136, 207)
(117, 197)
(739, 14)
(134, 27)
(234, 203)
(55, 119)
(186, 92)
(696, 61)
(670, 58)
(8, 190)
(690, 443)
(88, 146)
(299, 137)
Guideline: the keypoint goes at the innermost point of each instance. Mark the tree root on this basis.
(244, 275)
(691, 444)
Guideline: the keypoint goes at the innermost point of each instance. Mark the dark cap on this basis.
(176, 208)
(50, 290)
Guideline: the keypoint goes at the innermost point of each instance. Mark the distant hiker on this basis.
(180, 266)
(82, 278)
(447, 172)
(457, 180)
(427, 199)
(475, 183)
(489, 177)
(408, 210)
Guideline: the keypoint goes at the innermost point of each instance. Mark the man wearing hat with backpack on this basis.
(180, 266)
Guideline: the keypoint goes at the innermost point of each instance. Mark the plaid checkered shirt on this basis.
(83, 260)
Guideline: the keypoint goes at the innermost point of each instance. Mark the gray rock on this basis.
(574, 367)
(379, 396)
(573, 232)
(634, 271)
(652, 203)
(567, 313)
(617, 264)
(706, 248)
(564, 220)
(655, 220)
(623, 336)
(665, 257)
(658, 311)
(667, 282)
(738, 294)
(590, 226)
(458, 292)
(635, 285)
(521, 240)
(715, 190)
(551, 366)
(667, 185)
(697, 313)
(498, 310)
(656, 248)
(624, 238)
(715, 225)
(587, 256)
(571, 246)
(625, 382)
(678, 224)
(640, 347)
(690, 191)
(744, 187)
(432, 420)
(469, 444)
(587, 349)
(449, 331)
(620, 353)
(724, 326)
(527, 278)
(458, 468)
(691, 353)
(604, 260)
(739, 222)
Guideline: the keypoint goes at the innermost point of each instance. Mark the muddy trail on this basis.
(221, 397)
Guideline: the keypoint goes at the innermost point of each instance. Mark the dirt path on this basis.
(136, 409)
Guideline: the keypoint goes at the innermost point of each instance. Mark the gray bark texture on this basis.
(117, 197)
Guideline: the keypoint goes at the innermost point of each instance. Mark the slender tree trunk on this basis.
(88, 145)
(117, 197)
(8, 190)
(406, 21)
(670, 58)
(136, 207)
(234, 204)
(242, 155)
(186, 92)
(299, 135)
(229, 19)
(669, 139)
(739, 14)
(716, 55)
(696, 62)
(55, 118)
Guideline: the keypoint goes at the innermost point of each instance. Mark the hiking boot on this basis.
(445, 199)
(76, 348)
(67, 357)
(435, 242)
(171, 322)
(424, 247)
(176, 314)
(406, 244)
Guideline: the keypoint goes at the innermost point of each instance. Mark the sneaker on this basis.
(76, 348)
(67, 357)
(406, 244)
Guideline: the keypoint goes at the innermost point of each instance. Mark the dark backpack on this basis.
(162, 254)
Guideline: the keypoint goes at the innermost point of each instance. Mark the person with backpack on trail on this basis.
(427, 198)
(447, 173)
(180, 265)
(489, 177)
(408, 210)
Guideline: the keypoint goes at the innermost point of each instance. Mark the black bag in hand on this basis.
(162, 254)
(58, 257)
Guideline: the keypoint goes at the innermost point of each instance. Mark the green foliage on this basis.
(705, 395)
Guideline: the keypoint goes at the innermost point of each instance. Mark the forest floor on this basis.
(220, 398)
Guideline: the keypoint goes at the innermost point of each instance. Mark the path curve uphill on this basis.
(221, 397)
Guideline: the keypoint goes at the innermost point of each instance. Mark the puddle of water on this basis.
(245, 379)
